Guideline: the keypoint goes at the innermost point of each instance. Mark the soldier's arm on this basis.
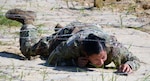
(121, 55)
(63, 55)
(58, 54)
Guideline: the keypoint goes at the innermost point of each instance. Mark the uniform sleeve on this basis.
(63, 52)
(121, 55)
(63, 55)
(58, 54)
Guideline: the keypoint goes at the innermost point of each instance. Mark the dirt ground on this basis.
(130, 23)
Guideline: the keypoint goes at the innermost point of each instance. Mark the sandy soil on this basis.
(51, 12)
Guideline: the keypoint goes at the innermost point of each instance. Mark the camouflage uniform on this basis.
(64, 47)
(29, 41)
(67, 52)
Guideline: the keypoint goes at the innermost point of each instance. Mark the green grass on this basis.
(145, 78)
(7, 22)
(121, 22)
(44, 74)
(3, 43)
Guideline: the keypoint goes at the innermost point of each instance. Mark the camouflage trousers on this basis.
(31, 45)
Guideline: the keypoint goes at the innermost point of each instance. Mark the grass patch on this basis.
(2, 43)
(7, 22)
(3, 77)
(145, 78)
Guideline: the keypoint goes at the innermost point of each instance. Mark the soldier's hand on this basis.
(125, 68)
(82, 61)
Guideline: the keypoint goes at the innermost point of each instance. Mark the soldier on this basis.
(77, 44)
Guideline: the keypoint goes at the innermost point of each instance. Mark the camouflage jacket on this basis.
(67, 52)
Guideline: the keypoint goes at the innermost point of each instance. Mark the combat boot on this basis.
(24, 17)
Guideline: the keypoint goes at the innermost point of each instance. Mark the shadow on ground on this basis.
(67, 68)
(11, 55)
(72, 69)
(57, 68)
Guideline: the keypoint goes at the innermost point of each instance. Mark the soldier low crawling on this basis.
(77, 44)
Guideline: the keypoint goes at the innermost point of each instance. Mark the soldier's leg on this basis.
(42, 47)
(28, 32)
(30, 45)
(28, 41)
